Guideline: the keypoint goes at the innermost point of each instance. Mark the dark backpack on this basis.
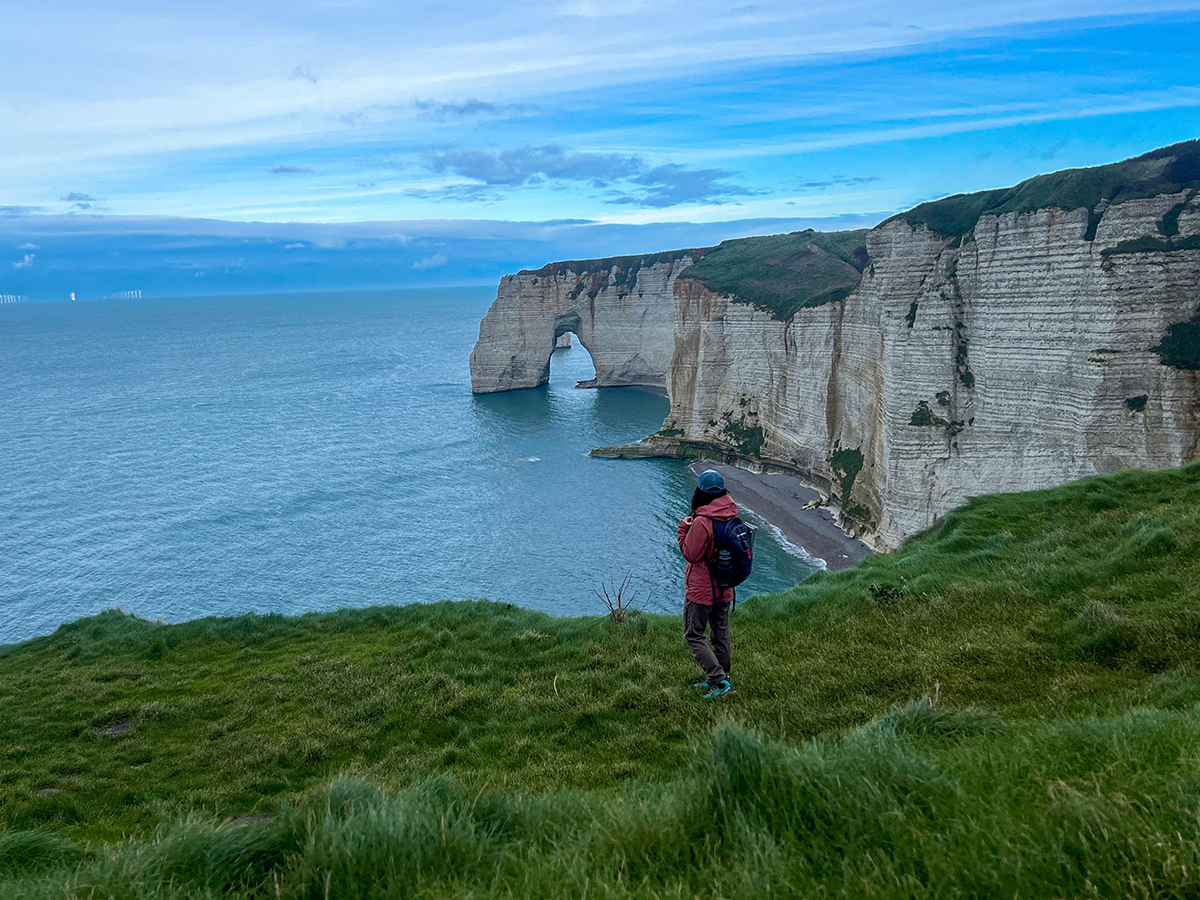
(733, 552)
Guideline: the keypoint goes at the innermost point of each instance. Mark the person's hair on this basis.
(703, 498)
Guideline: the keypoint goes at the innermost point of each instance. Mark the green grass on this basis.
(1169, 170)
(1008, 705)
(784, 273)
(594, 274)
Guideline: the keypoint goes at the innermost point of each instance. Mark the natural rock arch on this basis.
(622, 311)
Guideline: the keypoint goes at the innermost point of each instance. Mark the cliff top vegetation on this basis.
(620, 263)
(1169, 170)
(785, 273)
(1007, 705)
(617, 272)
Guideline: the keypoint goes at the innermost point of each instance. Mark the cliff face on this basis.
(1024, 348)
(1020, 359)
(621, 309)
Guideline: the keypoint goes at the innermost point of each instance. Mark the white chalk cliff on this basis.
(1033, 348)
(622, 311)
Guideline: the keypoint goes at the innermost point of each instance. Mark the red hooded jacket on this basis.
(696, 544)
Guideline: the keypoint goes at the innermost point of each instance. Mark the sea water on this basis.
(194, 457)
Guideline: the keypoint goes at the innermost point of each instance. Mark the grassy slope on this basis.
(1060, 631)
(1169, 170)
(784, 273)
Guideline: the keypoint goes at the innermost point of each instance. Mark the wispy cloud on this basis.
(672, 185)
(525, 165)
(442, 111)
(21, 210)
(181, 109)
(840, 181)
(657, 187)
(462, 193)
(304, 73)
(603, 9)
(25, 262)
(1053, 151)
(431, 262)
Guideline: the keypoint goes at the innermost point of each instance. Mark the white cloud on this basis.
(158, 98)
(432, 262)
(26, 262)
(230, 76)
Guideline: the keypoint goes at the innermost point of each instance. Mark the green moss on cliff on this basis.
(923, 416)
(1169, 225)
(1149, 244)
(1169, 170)
(846, 464)
(626, 267)
(784, 273)
(1181, 347)
(747, 438)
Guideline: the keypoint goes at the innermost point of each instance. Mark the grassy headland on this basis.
(1168, 170)
(784, 273)
(1008, 705)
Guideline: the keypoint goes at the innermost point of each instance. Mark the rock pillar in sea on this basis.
(622, 310)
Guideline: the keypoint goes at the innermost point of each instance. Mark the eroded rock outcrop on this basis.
(621, 309)
(1020, 359)
(986, 347)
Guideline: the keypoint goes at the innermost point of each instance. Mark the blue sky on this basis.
(632, 115)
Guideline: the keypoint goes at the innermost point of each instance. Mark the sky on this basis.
(487, 137)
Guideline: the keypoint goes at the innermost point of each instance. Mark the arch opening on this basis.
(571, 363)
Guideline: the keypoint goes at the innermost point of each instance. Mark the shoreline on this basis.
(590, 385)
(781, 500)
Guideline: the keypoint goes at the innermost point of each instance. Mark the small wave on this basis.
(531, 459)
(781, 539)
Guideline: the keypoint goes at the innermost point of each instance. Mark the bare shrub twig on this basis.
(618, 599)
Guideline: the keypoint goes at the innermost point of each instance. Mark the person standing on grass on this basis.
(706, 604)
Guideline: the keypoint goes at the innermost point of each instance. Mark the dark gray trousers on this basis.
(714, 659)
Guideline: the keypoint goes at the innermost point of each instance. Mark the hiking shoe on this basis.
(701, 685)
(721, 690)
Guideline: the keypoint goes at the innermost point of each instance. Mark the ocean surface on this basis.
(193, 457)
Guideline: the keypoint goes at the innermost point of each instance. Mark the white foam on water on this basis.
(782, 539)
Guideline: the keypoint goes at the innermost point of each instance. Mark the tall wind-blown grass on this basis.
(1089, 808)
(1008, 706)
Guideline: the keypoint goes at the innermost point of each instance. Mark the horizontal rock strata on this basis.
(1034, 348)
(1021, 359)
(621, 310)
